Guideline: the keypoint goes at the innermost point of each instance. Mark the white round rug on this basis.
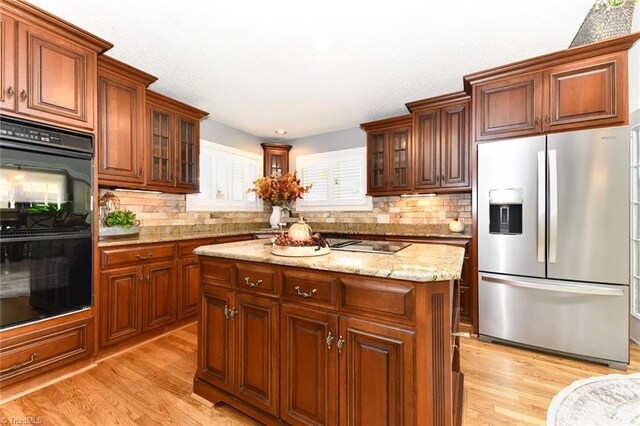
(604, 400)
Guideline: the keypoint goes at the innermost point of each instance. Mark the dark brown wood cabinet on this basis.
(442, 143)
(576, 88)
(121, 111)
(51, 74)
(276, 159)
(389, 158)
(351, 349)
(309, 366)
(173, 144)
(138, 290)
(28, 354)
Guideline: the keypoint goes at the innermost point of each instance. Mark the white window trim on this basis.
(332, 205)
(197, 204)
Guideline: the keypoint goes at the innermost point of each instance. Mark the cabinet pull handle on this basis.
(148, 277)
(250, 284)
(340, 344)
(232, 313)
(226, 311)
(329, 341)
(303, 294)
(547, 119)
(19, 365)
(141, 278)
(10, 92)
(538, 121)
(461, 334)
(143, 257)
(23, 95)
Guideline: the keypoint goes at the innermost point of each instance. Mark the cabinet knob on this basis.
(232, 313)
(547, 119)
(340, 344)
(329, 341)
(538, 121)
(148, 277)
(10, 92)
(23, 95)
(303, 294)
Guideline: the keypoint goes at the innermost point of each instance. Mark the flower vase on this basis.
(276, 216)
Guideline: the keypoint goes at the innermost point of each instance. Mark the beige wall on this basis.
(154, 209)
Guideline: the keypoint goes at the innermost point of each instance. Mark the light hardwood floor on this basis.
(151, 384)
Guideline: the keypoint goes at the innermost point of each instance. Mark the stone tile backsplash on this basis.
(153, 209)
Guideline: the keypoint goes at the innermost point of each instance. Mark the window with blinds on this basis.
(338, 179)
(226, 174)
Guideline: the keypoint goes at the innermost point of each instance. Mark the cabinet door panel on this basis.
(159, 301)
(581, 93)
(188, 287)
(377, 162)
(120, 128)
(427, 149)
(57, 76)
(257, 352)
(120, 303)
(188, 147)
(400, 158)
(215, 341)
(509, 107)
(454, 160)
(8, 89)
(161, 149)
(308, 366)
(377, 374)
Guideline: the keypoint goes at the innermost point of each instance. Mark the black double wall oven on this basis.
(46, 229)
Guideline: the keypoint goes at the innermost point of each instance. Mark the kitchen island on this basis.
(345, 338)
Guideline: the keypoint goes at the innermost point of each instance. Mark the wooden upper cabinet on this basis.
(7, 63)
(509, 108)
(389, 155)
(442, 143)
(576, 88)
(121, 109)
(586, 91)
(51, 74)
(427, 124)
(173, 144)
(276, 159)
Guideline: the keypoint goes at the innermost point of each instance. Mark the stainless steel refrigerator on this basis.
(553, 243)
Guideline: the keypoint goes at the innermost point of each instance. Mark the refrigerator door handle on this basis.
(553, 205)
(542, 195)
(574, 288)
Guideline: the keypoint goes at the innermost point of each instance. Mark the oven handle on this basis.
(579, 289)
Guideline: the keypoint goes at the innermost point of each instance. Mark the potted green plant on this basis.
(119, 223)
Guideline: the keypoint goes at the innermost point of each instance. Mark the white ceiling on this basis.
(251, 64)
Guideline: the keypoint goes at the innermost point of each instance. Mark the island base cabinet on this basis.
(238, 346)
(376, 370)
(309, 360)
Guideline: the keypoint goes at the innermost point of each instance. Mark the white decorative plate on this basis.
(304, 251)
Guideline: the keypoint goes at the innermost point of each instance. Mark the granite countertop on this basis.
(418, 262)
(190, 233)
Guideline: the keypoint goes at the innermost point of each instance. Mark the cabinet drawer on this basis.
(186, 248)
(32, 353)
(309, 287)
(377, 298)
(111, 257)
(256, 277)
(217, 271)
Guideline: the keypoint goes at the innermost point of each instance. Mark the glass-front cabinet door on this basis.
(276, 159)
(188, 147)
(161, 156)
(635, 229)
(399, 151)
(377, 151)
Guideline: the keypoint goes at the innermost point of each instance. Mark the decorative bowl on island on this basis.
(300, 241)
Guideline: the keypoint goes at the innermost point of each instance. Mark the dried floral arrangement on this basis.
(279, 190)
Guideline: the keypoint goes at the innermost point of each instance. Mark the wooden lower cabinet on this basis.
(285, 358)
(159, 295)
(189, 283)
(238, 346)
(309, 366)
